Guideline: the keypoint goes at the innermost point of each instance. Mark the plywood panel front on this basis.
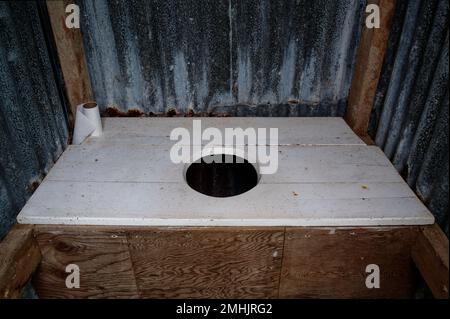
(331, 263)
(207, 262)
(101, 255)
(225, 262)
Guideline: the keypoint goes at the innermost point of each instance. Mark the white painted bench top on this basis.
(326, 177)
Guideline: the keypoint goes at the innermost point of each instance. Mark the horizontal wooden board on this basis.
(331, 263)
(101, 255)
(276, 204)
(137, 163)
(291, 131)
(207, 263)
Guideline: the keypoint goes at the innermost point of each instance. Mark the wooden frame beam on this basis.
(20, 256)
(369, 62)
(430, 254)
(69, 44)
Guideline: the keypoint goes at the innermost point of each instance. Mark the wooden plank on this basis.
(430, 254)
(155, 204)
(102, 256)
(207, 263)
(369, 62)
(69, 44)
(291, 130)
(331, 263)
(19, 258)
(113, 163)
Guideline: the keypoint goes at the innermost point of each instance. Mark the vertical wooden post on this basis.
(369, 62)
(430, 254)
(69, 43)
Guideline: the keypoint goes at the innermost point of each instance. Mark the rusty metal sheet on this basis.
(222, 57)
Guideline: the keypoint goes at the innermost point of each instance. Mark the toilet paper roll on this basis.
(87, 122)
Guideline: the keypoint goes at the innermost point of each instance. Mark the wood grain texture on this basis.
(19, 258)
(331, 263)
(430, 254)
(225, 262)
(101, 254)
(207, 262)
(69, 43)
(369, 62)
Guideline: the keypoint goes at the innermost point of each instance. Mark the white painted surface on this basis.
(297, 164)
(291, 131)
(326, 177)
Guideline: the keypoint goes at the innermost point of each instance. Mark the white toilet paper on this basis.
(87, 122)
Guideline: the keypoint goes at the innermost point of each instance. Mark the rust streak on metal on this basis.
(115, 112)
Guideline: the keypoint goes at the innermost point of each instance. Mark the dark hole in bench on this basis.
(222, 175)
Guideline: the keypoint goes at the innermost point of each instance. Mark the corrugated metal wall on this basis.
(245, 58)
(410, 118)
(33, 130)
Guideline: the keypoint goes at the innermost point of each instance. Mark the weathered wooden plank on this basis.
(369, 62)
(69, 44)
(430, 254)
(207, 263)
(19, 258)
(102, 257)
(331, 263)
(106, 163)
(291, 130)
(154, 204)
